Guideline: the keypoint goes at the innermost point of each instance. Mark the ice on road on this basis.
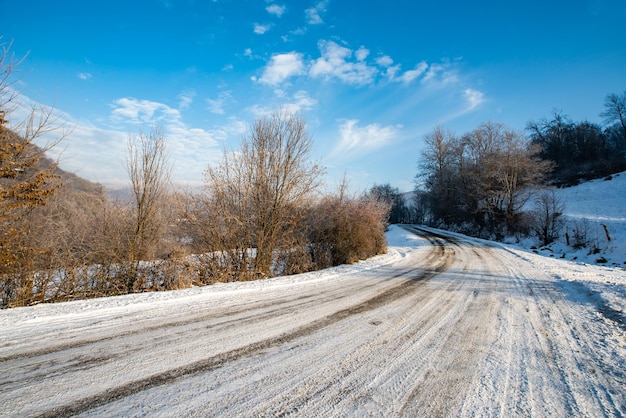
(442, 325)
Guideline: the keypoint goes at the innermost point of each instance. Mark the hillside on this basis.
(70, 181)
(589, 206)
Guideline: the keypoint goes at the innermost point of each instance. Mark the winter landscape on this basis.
(312, 208)
(441, 325)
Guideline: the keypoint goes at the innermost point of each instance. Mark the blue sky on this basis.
(371, 78)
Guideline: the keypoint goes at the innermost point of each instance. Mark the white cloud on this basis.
(217, 105)
(98, 152)
(129, 109)
(362, 53)
(299, 101)
(261, 29)
(391, 71)
(474, 98)
(259, 111)
(432, 72)
(411, 75)
(356, 140)
(233, 129)
(440, 75)
(384, 61)
(275, 10)
(302, 101)
(247, 52)
(186, 98)
(84, 76)
(281, 67)
(191, 148)
(335, 63)
(339, 62)
(313, 15)
(280, 93)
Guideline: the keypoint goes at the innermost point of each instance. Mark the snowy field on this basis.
(442, 325)
(588, 207)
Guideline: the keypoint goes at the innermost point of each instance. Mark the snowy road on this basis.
(441, 326)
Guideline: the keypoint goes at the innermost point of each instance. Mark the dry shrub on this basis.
(346, 230)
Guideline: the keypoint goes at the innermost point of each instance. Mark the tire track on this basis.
(439, 258)
(278, 304)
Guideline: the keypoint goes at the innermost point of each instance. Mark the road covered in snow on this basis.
(442, 325)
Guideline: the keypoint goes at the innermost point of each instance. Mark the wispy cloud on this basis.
(217, 105)
(260, 29)
(474, 98)
(390, 70)
(281, 67)
(276, 10)
(191, 148)
(411, 75)
(313, 15)
(84, 76)
(234, 128)
(465, 101)
(336, 62)
(186, 99)
(356, 140)
(132, 110)
(300, 101)
(440, 75)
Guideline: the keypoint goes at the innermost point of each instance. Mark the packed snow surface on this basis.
(442, 325)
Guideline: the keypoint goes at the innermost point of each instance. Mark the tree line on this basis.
(495, 182)
(261, 214)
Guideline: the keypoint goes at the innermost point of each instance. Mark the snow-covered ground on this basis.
(589, 208)
(442, 325)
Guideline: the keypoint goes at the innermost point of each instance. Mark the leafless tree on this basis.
(504, 169)
(547, 217)
(257, 195)
(149, 171)
(482, 179)
(615, 110)
(439, 167)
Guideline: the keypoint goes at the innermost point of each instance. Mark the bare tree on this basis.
(399, 212)
(547, 220)
(149, 171)
(482, 179)
(503, 169)
(439, 167)
(257, 195)
(615, 111)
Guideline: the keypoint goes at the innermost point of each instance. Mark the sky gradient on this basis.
(371, 78)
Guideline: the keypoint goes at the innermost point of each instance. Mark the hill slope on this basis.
(589, 208)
